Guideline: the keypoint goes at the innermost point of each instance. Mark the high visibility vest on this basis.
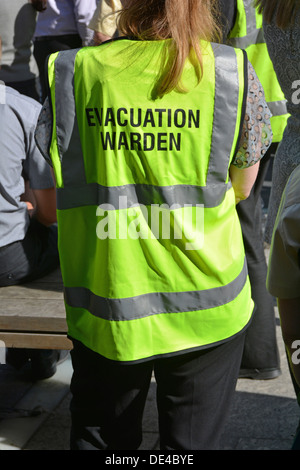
(150, 243)
(247, 34)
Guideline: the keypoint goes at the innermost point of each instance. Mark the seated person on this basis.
(28, 233)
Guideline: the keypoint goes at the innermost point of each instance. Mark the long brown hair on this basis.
(283, 11)
(184, 22)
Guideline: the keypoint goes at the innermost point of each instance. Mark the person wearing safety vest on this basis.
(244, 30)
(146, 147)
(247, 33)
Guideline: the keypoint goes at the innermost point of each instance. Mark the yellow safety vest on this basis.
(247, 34)
(151, 249)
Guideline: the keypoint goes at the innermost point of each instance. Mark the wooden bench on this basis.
(33, 315)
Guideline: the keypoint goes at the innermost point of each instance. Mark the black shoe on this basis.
(44, 362)
(259, 374)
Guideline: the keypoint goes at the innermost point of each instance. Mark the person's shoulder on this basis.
(25, 108)
(14, 97)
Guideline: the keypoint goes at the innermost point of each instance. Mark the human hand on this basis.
(39, 5)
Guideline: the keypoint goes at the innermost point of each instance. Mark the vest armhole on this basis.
(245, 94)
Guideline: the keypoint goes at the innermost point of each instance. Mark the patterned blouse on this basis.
(256, 133)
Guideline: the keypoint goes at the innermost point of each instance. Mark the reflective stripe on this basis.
(155, 303)
(226, 104)
(68, 138)
(277, 108)
(250, 15)
(254, 37)
(123, 197)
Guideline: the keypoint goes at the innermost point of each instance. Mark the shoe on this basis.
(44, 362)
(259, 374)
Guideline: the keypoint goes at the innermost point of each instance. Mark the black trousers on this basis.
(194, 393)
(31, 258)
(45, 46)
(261, 350)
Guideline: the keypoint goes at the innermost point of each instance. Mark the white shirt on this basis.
(66, 17)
